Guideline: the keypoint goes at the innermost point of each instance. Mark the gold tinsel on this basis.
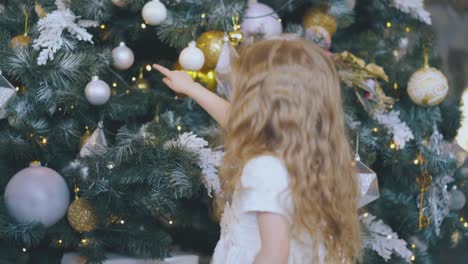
(81, 216)
(141, 83)
(211, 43)
(318, 16)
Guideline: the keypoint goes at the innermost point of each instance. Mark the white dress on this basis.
(264, 187)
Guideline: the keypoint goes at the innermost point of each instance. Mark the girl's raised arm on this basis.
(181, 82)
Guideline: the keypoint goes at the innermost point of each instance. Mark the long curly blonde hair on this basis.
(286, 101)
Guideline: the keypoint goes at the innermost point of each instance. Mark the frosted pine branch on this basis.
(415, 8)
(381, 238)
(400, 131)
(208, 159)
(51, 32)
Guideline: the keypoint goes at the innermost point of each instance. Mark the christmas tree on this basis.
(120, 164)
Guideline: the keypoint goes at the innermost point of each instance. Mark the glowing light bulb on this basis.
(407, 29)
(148, 67)
(24, 250)
(122, 222)
(413, 245)
(203, 15)
(133, 78)
(103, 26)
(60, 241)
(413, 258)
(389, 237)
(170, 222)
(143, 25)
(179, 128)
(389, 24)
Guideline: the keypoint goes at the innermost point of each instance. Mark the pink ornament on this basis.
(260, 19)
(368, 95)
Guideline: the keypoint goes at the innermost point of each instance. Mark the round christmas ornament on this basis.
(154, 12)
(37, 194)
(211, 44)
(427, 87)
(21, 41)
(207, 78)
(97, 92)
(122, 57)
(81, 216)
(457, 199)
(191, 58)
(40, 11)
(261, 20)
(120, 3)
(318, 17)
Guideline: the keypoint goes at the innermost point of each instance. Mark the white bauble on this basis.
(457, 200)
(191, 58)
(260, 19)
(97, 92)
(154, 12)
(122, 57)
(37, 194)
(427, 87)
(120, 3)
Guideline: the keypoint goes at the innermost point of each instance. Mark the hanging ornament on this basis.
(211, 43)
(7, 92)
(223, 69)
(120, 3)
(40, 11)
(207, 78)
(427, 86)
(424, 182)
(141, 83)
(319, 36)
(84, 138)
(154, 12)
(235, 35)
(457, 200)
(96, 140)
(318, 16)
(37, 194)
(97, 92)
(191, 58)
(122, 57)
(22, 40)
(81, 215)
(368, 183)
(260, 20)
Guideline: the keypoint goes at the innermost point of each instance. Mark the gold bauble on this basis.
(84, 138)
(207, 78)
(318, 16)
(427, 87)
(81, 216)
(40, 11)
(211, 43)
(21, 41)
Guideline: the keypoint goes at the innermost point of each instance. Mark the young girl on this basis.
(287, 165)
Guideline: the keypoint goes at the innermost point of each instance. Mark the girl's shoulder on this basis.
(266, 171)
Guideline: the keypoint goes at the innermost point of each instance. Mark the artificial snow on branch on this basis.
(391, 121)
(381, 238)
(208, 159)
(51, 29)
(415, 8)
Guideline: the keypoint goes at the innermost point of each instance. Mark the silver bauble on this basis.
(154, 12)
(191, 58)
(37, 194)
(122, 57)
(457, 200)
(97, 92)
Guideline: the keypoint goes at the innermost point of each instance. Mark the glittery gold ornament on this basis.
(235, 36)
(318, 16)
(81, 216)
(40, 11)
(141, 83)
(21, 41)
(211, 44)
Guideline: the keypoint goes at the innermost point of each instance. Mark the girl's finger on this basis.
(167, 81)
(165, 71)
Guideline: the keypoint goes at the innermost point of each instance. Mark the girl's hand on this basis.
(178, 81)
